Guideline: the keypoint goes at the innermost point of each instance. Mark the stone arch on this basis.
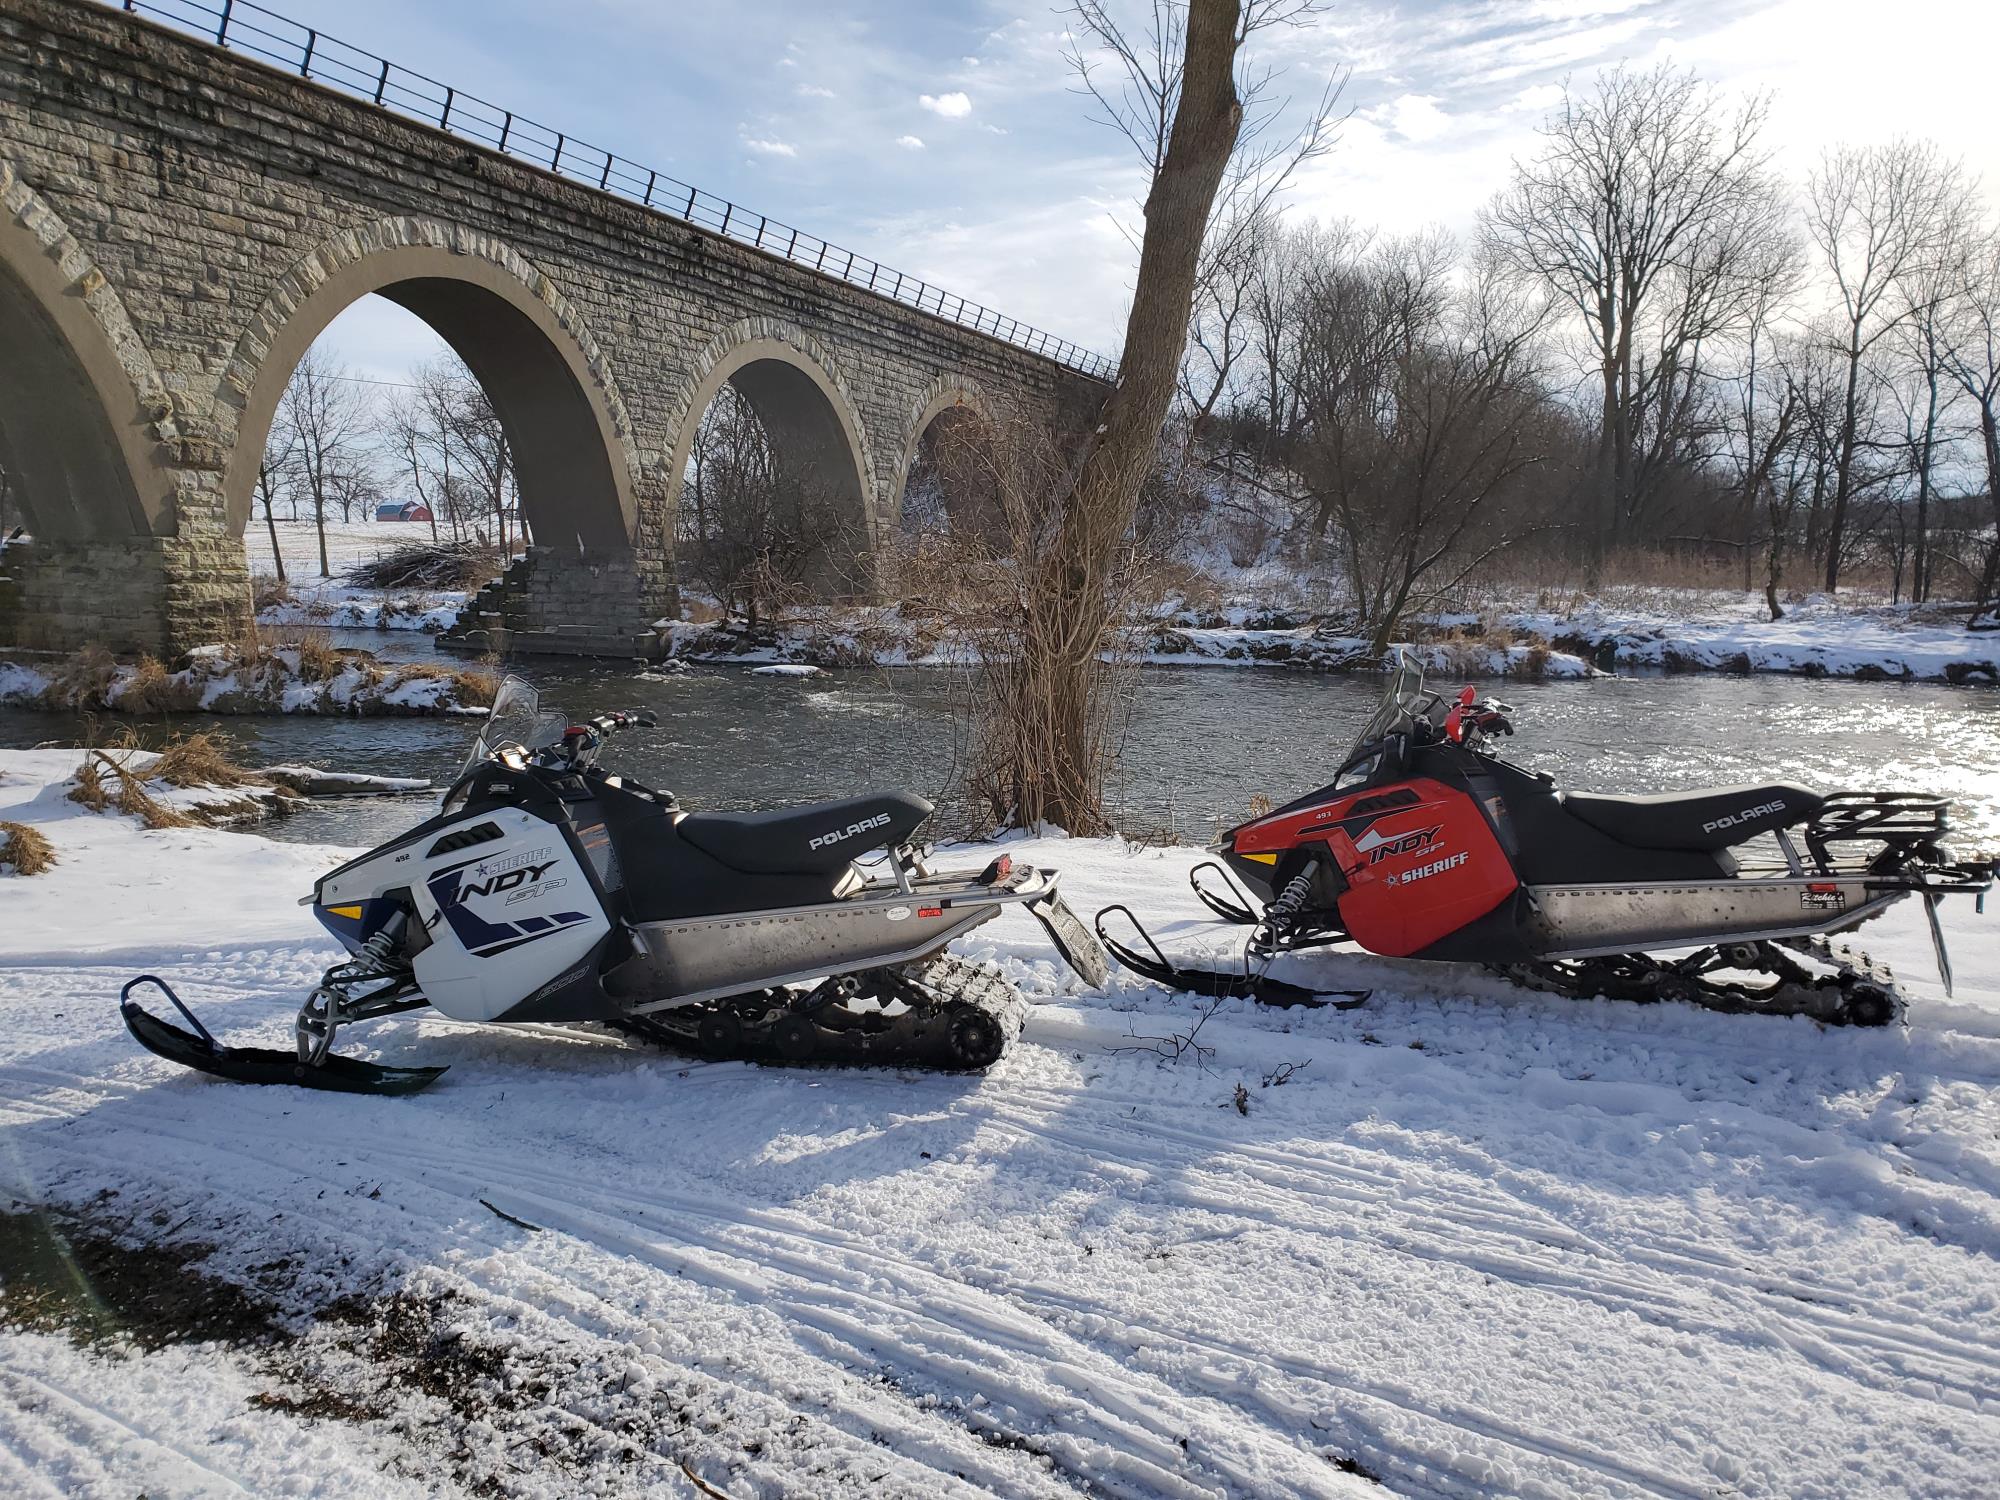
(552, 388)
(811, 417)
(947, 396)
(85, 420)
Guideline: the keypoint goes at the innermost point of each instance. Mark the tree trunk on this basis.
(1055, 773)
(1920, 562)
(1844, 478)
(271, 523)
(1989, 429)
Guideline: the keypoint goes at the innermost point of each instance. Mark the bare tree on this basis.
(1879, 215)
(1929, 293)
(328, 414)
(752, 534)
(449, 440)
(1638, 214)
(1420, 411)
(276, 472)
(1178, 102)
(1973, 358)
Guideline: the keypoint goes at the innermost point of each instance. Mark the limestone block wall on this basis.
(221, 211)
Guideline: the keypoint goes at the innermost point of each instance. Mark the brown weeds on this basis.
(102, 782)
(25, 849)
(201, 760)
(152, 689)
(82, 680)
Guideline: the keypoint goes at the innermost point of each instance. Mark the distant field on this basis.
(345, 544)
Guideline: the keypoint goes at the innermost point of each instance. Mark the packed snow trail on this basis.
(1479, 1243)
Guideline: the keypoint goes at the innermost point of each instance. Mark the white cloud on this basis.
(814, 91)
(771, 148)
(1416, 117)
(910, 142)
(1540, 98)
(953, 106)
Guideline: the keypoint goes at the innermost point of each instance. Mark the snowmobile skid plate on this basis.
(948, 1014)
(1223, 984)
(199, 1050)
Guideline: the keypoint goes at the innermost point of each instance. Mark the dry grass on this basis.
(152, 689)
(104, 782)
(81, 680)
(319, 659)
(266, 591)
(25, 849)
(476, 685)
(201, 760)
(90, 790)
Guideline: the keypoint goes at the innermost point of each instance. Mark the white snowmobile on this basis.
(547, 889)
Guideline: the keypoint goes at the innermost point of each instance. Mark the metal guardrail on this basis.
(332, 63)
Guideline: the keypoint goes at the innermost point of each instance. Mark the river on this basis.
(1197, 742)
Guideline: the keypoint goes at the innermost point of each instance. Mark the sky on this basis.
(948, 139)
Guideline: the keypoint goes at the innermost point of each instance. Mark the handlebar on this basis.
(580, 741)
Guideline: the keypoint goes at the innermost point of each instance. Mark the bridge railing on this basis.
(251, 29)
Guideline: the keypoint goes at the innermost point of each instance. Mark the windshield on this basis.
(1402, 701)
(516, 719)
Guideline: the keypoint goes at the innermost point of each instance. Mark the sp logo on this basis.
(1379, 846)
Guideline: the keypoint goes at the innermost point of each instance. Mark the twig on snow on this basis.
(702, 1484)
(502, 1213)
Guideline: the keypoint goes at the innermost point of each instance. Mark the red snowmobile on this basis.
(1427, 845)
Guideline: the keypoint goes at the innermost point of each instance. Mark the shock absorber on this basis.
(1292, 899)
(383, 943)
(1264, 940)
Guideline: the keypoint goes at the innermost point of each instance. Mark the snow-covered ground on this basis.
(328, 602)
(1697, 630)
(1481, 1242)
(276, 680)
(1733, 631)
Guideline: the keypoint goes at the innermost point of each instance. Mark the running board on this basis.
(1592, 921)
(198, 1050)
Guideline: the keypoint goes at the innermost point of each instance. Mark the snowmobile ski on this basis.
(1248, 982)
(199, 1050)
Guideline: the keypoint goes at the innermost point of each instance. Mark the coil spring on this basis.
(1264, 942)
(1292, 899)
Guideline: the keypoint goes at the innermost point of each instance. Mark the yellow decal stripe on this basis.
(346, 911)
(1263, 859)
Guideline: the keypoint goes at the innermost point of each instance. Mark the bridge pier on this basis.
(563, 601)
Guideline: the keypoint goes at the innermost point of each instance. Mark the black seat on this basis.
(1706, 820)
(813, 840)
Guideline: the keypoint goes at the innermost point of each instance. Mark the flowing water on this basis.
(1198, 742)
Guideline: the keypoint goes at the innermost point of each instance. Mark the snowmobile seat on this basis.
(1717, 818)
(812, 840)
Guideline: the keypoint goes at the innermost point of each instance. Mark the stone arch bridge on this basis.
(178, 223)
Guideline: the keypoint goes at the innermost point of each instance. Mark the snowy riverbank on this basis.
(1714, 631)
(304, 679)
(1479, 1242)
